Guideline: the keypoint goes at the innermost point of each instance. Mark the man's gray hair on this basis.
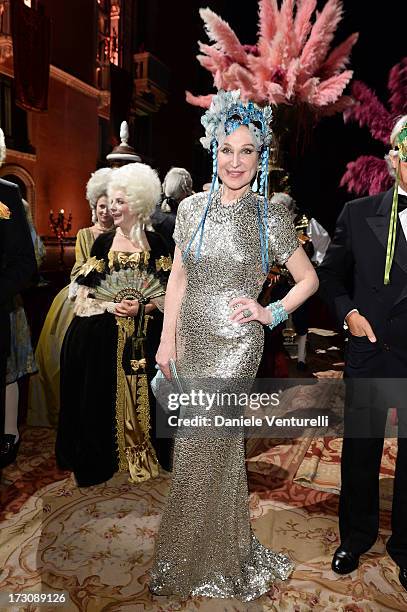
(177, 184)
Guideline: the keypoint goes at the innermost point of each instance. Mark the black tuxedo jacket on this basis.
(17, 259)
(352, 276)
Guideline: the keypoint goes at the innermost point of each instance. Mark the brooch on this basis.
(4, 211)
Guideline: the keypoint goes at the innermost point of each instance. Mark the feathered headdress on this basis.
(227, 112)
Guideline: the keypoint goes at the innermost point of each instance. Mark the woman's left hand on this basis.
(246, 306)
(127, 308)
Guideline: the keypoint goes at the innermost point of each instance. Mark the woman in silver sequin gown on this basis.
(205, 545)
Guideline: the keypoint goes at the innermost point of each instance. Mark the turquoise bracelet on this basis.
(278, 312)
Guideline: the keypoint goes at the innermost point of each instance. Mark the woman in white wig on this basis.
(108, 353)
(43, 404)
(177, 185)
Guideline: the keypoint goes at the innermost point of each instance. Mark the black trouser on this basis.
(3, 367)
(360, 467)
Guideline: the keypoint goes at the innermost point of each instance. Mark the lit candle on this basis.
(51, 212)
(62, 211)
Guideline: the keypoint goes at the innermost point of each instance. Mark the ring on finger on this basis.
(247, 313)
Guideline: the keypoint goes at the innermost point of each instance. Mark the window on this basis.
(13, 119)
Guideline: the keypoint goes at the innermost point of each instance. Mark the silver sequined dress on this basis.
(205, 545)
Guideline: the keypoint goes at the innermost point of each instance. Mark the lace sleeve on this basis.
(159, 302)
(88, 307)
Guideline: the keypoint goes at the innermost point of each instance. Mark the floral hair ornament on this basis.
(226, 113)
(401, 144)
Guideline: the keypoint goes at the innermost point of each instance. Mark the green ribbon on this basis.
(391, 240)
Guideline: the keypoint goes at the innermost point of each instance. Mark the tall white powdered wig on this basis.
(142, 187)
(96, 188)
(3, 150)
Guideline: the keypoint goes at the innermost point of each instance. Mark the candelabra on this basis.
(61, 227)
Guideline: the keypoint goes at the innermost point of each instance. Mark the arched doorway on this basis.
(20, 176)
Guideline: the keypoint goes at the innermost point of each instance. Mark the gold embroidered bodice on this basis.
(122, 259)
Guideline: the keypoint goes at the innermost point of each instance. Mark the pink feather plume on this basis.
(398, 88)
(330, 90)
(369, 111)
(303, 23)
(221, 32)
(202, 101)
(339, 58)
(322, 33)
(289, 64)
(367, 175)
(269, 21)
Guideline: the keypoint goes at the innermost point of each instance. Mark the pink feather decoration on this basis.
(398, 88)
(201, 101)
(303, 23)
(369, 111)
(243, 79)
(220, 60)
(368, 174)
(275, 93)
(290, 64)
(322, 33)
(292, 75)
(269, 21)
(307, 91)
(339, 58)
(225, 38)
(330, 90)
(288, 32)
(341, 105)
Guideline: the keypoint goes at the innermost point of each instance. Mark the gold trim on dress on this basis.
(92, 264)
(164, 263)
(135, 451)
(133, 260)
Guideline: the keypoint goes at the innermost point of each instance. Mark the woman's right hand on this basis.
(166, 351)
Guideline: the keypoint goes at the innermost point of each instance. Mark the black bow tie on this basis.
(402, 202)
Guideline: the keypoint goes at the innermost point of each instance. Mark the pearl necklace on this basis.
(103, 229)
(119, 231)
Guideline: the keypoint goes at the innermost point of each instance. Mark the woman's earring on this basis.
(215, 166)
(255, 185)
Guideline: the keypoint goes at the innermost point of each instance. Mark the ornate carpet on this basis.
(96, 544)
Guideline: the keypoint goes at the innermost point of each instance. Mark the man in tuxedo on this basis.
(364, 276)
(17, 270)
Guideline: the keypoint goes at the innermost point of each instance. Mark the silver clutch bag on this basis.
(160, 386)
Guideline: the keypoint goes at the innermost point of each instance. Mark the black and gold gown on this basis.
(108, 413)
(205, 545)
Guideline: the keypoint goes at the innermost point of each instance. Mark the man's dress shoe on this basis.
(8, 449)
(403, 577)
(344, 561)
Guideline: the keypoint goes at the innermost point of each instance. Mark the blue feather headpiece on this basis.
(226, 113)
